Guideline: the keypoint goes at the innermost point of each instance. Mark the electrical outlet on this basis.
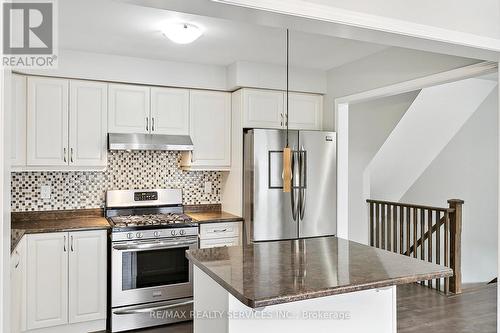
(45, 191)
(208, 187)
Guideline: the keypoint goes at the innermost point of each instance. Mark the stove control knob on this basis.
(130, 236)
(156, 233)
(139, 235)
(173, 232)
(182, 232)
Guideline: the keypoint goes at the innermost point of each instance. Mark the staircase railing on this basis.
(428, 233)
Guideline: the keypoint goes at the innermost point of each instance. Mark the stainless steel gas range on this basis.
(150, 279)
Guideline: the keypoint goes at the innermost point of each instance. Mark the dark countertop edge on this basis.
(62, 214)
(13, 245)
(228, 218)
(222, 220)
(24, 232)
(316, 294)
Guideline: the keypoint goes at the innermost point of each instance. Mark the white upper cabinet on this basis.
(262, 108)
(128, 110)
(66, 123)
(47, 121)
(305, 111)
(87, 276)
(18, 121)
(88, 123)
(169, 111)
(47, 280)
(210, 130)
(267, 109)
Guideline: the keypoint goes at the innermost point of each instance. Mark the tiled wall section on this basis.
(126, 170)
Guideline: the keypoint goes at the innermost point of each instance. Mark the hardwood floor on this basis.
(423, 310)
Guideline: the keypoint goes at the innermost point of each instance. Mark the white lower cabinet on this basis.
(17, 287)
(65, 281)
(47, 280)
(219, 242)
(219, 234)
(87, 276)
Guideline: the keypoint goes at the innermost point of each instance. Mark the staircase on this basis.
(431, 121)
(427, 233)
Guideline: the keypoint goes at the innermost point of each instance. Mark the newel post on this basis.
(455, 244)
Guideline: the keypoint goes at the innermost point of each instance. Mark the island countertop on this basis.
(269, 273)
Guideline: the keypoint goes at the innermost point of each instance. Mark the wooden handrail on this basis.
(417, 224)
(400, 204)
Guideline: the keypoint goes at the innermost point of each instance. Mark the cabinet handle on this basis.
(72, 244)
(147, 124)
(18, 259)
(71, 155)
(153, 124)
(286, 119)
(221, 230)
(64, 246)
(64, 155)
(281, 116)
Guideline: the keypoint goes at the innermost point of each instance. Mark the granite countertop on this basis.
(55, 221)
(206, 213)
(268, 273)
(213, 216)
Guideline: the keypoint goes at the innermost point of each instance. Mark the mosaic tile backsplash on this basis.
(126, 170)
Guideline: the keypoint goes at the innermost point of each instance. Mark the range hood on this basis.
(119, 141)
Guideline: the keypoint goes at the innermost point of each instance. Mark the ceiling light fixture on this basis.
(182, 33)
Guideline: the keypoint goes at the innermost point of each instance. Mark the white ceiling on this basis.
(105, 26)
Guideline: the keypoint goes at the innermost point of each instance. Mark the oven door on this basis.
(151, 270)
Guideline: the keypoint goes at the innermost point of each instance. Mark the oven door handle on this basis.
(155, 308)
(152, 246)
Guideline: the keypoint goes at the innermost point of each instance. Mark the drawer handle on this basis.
(18, 259)
(221, 230)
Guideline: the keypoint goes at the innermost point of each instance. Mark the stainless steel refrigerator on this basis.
(309, 210)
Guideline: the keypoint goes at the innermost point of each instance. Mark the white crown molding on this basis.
(310, 10)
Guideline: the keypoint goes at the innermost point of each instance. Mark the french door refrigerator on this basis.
(309, 210)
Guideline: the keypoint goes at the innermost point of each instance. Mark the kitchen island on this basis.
(324, 284)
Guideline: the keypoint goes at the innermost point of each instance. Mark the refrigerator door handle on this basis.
(302, 181)
(294, 194)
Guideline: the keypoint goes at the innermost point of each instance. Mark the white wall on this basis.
(107, 67)
(85, 65)
(433, 119)
(381, 69)
(467, 169)
(370, 124)
(248, 74)
(480, 17)
(5, 91)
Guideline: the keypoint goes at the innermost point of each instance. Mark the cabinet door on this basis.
(305, 111)
(47, 121)
(87, 276)
(219, 242)
(210, 128)
(47, 280)
(18, 121)
(170, 111)
(88, 123)
(17, 292)
(128, 110)
(263, 108)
